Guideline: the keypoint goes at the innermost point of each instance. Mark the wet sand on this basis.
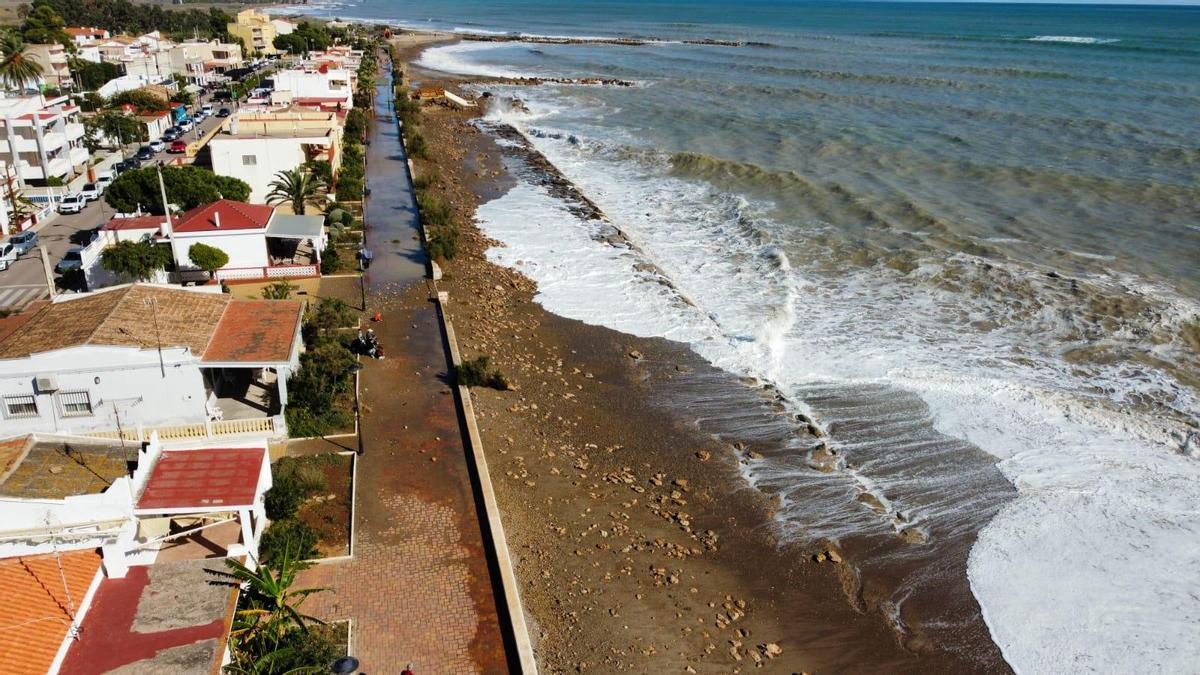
(638, 545)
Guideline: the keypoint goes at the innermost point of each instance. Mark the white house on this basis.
(42, 139)
(255, 147)
(134, 358)
(324, 88)
(260, 242)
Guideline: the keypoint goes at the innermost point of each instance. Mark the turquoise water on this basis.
(938, 229)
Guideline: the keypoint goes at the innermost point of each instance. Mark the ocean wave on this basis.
(976, 339)
(1073, 39)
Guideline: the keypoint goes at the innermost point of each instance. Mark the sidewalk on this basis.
(418, 588)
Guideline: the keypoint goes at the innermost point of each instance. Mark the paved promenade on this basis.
(418, 588)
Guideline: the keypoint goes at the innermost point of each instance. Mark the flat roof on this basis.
(210, 478)
(40, 602)
(163, 618)
(57, 470)
(291, 226)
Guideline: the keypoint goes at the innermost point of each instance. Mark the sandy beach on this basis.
(639, 545)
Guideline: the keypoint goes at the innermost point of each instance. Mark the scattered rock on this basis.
(635, 354)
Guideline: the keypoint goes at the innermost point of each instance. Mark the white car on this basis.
(72, 203)
(8, 254)
(158, 145)
(91, 192)
(103, 180)
(206, 109)
(185, 124)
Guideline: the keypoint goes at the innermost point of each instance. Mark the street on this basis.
(25, 279)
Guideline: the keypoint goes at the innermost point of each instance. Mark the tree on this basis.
(187, 187)
(356, 125)
(208, 258)
(112, 127)
(44, 26)
(141, 100)
(94, 75)
(182, 95)
(17, 70)
(135, 261)
(299, 187)
(268, 629)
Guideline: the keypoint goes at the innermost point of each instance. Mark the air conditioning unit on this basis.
(46, 384)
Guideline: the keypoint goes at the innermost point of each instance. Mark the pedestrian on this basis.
(407, 670)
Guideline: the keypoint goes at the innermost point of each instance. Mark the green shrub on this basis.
(416, 145)
(349, 189)
(442, 244)
(433, 210)
(474, 373)
(287, 534)
(290, 489)
(331, 260)
(280, 290)
(426, 181)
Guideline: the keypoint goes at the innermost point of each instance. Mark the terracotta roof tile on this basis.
(212, 477)
(256, 331)
(233, 216)
(38, 610)
(11, 452)
(121, 317)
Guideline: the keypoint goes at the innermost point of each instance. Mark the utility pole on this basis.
(46, 269)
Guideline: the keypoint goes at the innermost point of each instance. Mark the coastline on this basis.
(631, 529)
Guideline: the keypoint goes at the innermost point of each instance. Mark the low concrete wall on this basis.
(495, 528)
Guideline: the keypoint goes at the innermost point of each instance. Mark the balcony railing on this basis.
(256, 426)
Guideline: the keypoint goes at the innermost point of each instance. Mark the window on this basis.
(249, 160)
(75, 403)
(16, 407)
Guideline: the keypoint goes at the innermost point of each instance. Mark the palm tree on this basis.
(298, 187)
(17, 70)
(268, 614)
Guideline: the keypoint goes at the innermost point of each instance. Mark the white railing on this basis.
(287, 271)
(271, 272)
(255, 426)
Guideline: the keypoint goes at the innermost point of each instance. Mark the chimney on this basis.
(217, 217)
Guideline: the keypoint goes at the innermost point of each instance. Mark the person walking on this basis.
(407, 670)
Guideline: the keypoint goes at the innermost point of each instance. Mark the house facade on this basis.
(256, 31)
(323, 88)
(42, 139)
(53, 60)
(131, 359)
(255, 147)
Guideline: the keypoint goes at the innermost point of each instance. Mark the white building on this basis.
(42, 139)
(256, 147)
(204, 63)
(53, 60)
(323, 88)
(136, 358)
(260, 242)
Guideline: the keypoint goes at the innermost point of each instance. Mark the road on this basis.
(25, 280)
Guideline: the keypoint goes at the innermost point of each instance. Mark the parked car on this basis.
(8, 255)
(170, 134)
(186, 124)
(158, 145)
(206, 109)
(72, 203)
(105, 179)
(90, 192)
(224, 112)
(177, 147)
(145, 153)
(125, 165)
(73, 260)
(24, 241)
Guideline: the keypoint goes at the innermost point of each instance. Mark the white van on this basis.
(207, 109)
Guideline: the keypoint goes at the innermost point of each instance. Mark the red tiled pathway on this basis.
(418, 587)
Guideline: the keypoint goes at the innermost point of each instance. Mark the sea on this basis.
(963, 240)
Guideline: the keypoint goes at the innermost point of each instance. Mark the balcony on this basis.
(53, 140)
(75, 131)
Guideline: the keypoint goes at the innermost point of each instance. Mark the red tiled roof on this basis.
(85, 31)
(213, 477)
(234, 216)
(135, 223)
(37, 611)
(255, 331)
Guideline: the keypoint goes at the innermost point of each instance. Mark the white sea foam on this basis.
(1094, 565)
(1073, 39)
(456, 59)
